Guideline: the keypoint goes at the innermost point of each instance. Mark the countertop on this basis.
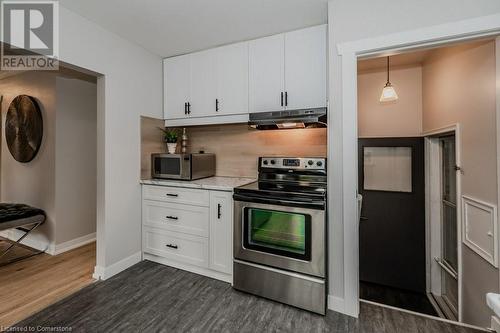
(210, 183)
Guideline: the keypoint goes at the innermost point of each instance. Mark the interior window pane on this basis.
(277, 230)
(387, 169)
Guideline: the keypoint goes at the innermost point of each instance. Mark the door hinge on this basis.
(458, 168)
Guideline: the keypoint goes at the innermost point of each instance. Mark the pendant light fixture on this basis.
(388, 93)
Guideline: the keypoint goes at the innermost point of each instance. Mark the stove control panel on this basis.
(305, 163)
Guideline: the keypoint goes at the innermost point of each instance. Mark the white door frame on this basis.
(348, 136)
(433, 204)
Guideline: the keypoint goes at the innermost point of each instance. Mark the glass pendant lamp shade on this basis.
(388, 93)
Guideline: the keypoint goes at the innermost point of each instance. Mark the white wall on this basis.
(131, 86)
(32, 183)
(352, 20)
(401, 118)
(76, 159)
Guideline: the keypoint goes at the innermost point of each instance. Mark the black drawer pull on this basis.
(172, 246)
(172, 195)
(172, 217)
(219, 213)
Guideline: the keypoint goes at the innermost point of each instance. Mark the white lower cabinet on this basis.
(221, 231)
(194, 234)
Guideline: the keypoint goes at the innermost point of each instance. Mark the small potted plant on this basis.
(170, 136)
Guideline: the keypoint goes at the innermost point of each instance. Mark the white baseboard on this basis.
(336, 304)
(103, 273)
(74, 243)
(190, 268)
(36, 241)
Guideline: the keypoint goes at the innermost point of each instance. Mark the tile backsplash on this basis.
(237, 148)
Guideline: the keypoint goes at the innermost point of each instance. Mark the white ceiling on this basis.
(414, 58)
(171, 27)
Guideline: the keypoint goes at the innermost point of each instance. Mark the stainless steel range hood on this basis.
(305, 118)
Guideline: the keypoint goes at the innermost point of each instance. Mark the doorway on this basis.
(455, 129)
(443, 224)
(392, 260)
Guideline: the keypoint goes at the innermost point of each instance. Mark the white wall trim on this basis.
(471, 203)
(103, 273)
(336, 304)
(350, 52)
(428, 36)
(433, 176)
(74, 243)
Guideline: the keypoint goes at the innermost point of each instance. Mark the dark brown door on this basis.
(392, 226)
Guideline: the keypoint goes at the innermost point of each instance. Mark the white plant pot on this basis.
(171, 147)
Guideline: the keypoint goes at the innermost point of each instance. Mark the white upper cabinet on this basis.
(203, 89)
(305, 68)
(176, 73)
(266, 77)
(222, 85)
(232, 79)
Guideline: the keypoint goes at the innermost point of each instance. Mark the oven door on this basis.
(280, 236)
(171, 166)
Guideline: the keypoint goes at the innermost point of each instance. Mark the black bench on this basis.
(21, 217)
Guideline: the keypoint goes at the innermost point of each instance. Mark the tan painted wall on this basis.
(76, 159)
(459, 87)
(32, 183)
(62, 178)
(237, 148)
(401, 118)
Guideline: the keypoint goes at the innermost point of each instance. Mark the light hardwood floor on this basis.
(30, 285)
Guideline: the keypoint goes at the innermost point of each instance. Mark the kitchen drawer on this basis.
(189, 219)
(179, 195)
(180, 247)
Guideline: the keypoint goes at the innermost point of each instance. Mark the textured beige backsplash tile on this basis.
(151, 142)
(237, 148)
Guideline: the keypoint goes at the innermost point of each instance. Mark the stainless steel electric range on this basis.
(280, 233)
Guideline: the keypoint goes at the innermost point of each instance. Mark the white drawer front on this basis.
(193, 220)
(176, 195)
(176, 246)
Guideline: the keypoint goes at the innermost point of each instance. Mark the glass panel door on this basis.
(449, 241)
(277, 232)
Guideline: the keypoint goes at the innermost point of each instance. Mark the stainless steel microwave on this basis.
(182, 166)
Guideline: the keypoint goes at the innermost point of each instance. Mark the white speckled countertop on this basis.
(210, 183)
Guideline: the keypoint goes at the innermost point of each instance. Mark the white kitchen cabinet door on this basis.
(232, 79)
(202, 79)
(176, 86)
(221, 231)
(266, 75)
(305, 68)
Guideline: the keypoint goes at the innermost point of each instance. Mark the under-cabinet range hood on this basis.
(289, 119)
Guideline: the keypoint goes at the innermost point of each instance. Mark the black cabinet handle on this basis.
(219, 211)
(172, 217)
(281, 98)
(172, 195)
(216, 105)
(185, 108)
(172, 246)
(189, 108)
(286, 98)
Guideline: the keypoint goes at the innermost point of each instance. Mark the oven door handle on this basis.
(281, 202)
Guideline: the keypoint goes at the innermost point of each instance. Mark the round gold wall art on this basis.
(24, 128)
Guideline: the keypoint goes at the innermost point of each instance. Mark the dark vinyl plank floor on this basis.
(149, 297)
(404, 299)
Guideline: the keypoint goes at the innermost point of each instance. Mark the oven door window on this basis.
(276, 232)
(167, 166)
